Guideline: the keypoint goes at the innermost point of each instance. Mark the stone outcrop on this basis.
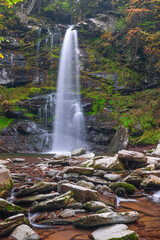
(120, 140)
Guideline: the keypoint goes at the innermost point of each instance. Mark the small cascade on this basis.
(69, 121)
(38, 53)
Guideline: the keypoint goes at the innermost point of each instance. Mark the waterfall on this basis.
(38, 53)
(68, 133)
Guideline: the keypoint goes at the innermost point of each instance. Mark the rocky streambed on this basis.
(80, 197)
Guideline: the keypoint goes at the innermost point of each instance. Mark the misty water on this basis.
(69, 120)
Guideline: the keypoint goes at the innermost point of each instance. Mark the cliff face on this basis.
(111, 91)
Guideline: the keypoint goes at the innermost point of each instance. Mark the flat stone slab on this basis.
(80, 193)
(38, 198)
(104, 163)
(102, 219)
(117, 232)
(127, 155)
(18, 160)
(54, 204)
(80, 170)
(41, 187)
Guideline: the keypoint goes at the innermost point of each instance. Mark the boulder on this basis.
(78, 152)
(156, 152)
(134, 180)
(41, 187)
(80, 193)
(95, 180)
(117, 232)
(129, 188)
(9, 209)
(151, 182)
(67, 213)
(127, 155)
(24, 232)
(104, 163)
(86, 184)
(112, 177)
(10, 223)
(5, 180)
(120, 140)
(94, 206)
(37, 198)
(95, 220)
(53, 204)
(79, 170)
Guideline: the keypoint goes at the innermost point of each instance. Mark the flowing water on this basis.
(69, 121)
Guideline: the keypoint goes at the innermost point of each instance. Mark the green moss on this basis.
(130, 189)
(5, 122)
(132, 236)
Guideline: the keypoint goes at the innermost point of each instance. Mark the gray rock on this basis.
(75, 205)
(94, 180)
(24, 232)
(153, 160)
(85, 156)
(53, 204)
(106, 209)
(37, 198)
(120, 140)
(80, 193)
(94, 206)
(156, 152)
(134, 180)
(8, 209)
(41, 187)
(151, 182)
(126, 155)
(70, 175)
(5, 180)
(79, 170)
(18, 160)
(10, 223)
(86, 184)
(117, 232)
(129, 188)
(112, 177)
(67, 213)
(95, 220)
(78, 152)
(104, 163)
(53, 172)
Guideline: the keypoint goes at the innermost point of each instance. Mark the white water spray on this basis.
(69, 121)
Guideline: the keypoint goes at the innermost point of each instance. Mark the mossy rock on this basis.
(129, 188)
(9, 209)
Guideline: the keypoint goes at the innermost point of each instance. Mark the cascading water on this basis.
(68, 126)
